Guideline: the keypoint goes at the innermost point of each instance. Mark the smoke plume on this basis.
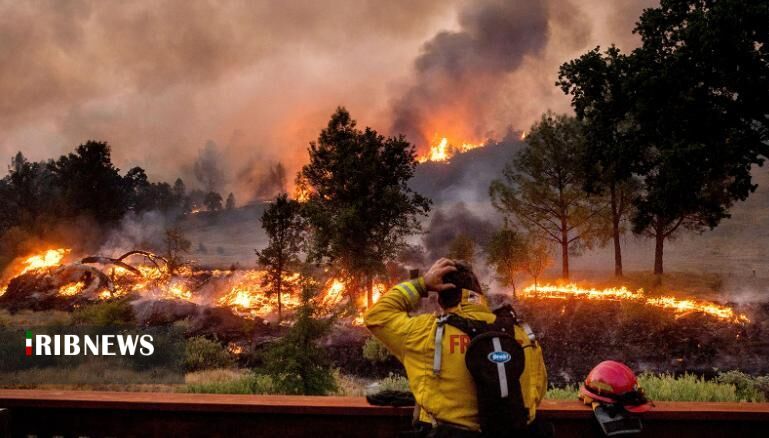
(260, 78)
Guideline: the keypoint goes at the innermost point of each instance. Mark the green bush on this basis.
(569, 392)
(250, 383)
(203, 354)
(374, 351)
(296, 363)
(732, 386)
(117, 312)
(394, 382)
(685, 388)
(754, 389)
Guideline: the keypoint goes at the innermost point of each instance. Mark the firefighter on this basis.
(442, 385)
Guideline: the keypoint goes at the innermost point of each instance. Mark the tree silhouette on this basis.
(285, 230)
(360, 206)
(543, 188)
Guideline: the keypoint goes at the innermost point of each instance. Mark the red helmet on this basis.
(614, 382)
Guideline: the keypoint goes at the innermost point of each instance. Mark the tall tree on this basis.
(28, 192)
(507, 253)
(601, 100)
(285, 229)
(90, 183)
(213, 201)
(700, 93)
(359, 205)
(543, 188)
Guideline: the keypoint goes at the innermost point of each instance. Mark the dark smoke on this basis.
(458, 71)
(208, 168)
(261, 181)
(452, 221)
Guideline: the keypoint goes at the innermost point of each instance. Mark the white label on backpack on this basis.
(499, 356)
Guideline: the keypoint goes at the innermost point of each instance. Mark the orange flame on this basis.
(678, 305)
(443, 151)
(71, 289)
(47, 259)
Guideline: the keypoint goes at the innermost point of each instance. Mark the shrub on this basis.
(393, 382)
(296, 363)
(249, 383)
(732, 386)
(113, 312)
(569, 392)
(374, 351)
(203, 354)
(754, 389)
(685, 388)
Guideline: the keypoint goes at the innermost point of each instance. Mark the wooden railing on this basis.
(49, 413)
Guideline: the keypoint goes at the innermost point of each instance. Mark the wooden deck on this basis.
(122, 414)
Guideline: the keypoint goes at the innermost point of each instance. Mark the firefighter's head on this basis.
(463, 278)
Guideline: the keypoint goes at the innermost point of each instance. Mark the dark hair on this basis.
(462, 278)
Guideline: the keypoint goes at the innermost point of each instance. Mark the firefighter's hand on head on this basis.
(434, 276)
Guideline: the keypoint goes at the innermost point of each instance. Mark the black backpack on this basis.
(496, 361)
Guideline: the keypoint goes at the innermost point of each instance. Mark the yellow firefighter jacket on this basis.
(450, 396)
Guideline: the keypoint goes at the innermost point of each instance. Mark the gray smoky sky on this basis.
(258, 79)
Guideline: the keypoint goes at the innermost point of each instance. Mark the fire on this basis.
(680, 306)
(443, 151)
(47, 259)
(71, 289)
(248, 296)
(302, 194)
(242, 290)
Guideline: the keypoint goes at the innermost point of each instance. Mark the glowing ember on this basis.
(678, 305)
(48, 259)
(71, 289)
(443, 150)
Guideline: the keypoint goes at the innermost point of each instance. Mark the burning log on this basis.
(58, 288)
(153, 258)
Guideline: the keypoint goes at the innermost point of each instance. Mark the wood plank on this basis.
(334, 404)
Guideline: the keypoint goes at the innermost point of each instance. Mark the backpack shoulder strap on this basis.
(470, 327)
(506, 317)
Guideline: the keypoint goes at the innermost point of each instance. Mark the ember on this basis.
(680, 306)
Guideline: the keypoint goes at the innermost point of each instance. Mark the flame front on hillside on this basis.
(679, 306)
(443, 150)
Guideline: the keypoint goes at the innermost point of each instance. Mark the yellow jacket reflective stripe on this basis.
(450, 396)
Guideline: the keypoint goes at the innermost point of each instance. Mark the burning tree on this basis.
(359, 204)
(543, 188)
(285, 229)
